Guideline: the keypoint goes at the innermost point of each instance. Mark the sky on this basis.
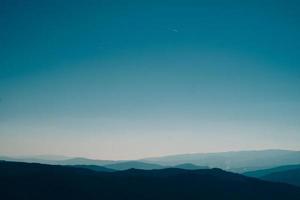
(116, 79)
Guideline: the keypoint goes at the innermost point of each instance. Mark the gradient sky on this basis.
(112, 79)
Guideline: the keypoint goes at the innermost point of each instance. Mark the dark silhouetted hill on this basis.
(48, 182)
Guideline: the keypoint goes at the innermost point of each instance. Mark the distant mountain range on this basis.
(84, 161)
(290, 176)
(68, 161)
(189, 166)
(239, 161)
(40, 181)
(286, 174)
(93, 168)
(136, 165)
(264, 172)
(133, 165)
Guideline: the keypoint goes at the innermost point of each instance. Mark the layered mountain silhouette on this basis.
(133, 165)
(239, 161)
(93, 167)
(84, 161)
(189, 166)
(68, 161)
(30, 160)
(286, 174)
(290, 176)
(97, 165)
(39, 181)
(264, 172)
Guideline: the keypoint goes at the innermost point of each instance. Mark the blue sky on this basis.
(130, 79)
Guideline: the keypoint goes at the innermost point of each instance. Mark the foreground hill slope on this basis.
(37, 181)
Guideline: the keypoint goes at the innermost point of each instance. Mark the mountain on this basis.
(38, 181)
(58, 160)
(133, 165)
(85, 161)
(264, 172)
(97, 165)
(93, 167)
(285, 174)
(6, 158)
(289, 176)
(239, 161)
(189, 166)
(28, 160)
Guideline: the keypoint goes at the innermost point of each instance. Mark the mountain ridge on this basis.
(235, 161)
(39, 181)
